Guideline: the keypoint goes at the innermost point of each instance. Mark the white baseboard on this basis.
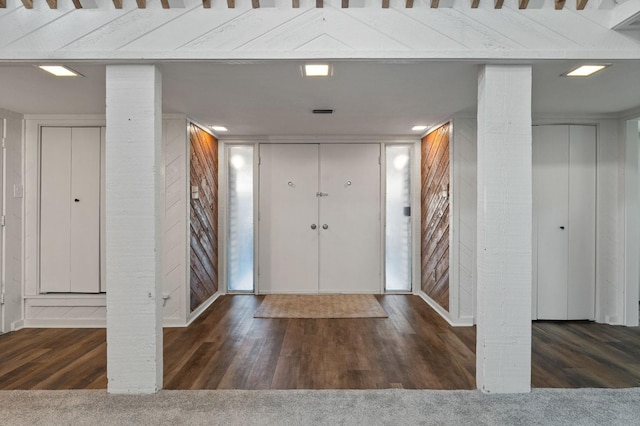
(200, 309)
(15, 326)
(65, 323)
(457, 322)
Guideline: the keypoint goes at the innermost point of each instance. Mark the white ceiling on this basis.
(369, 98)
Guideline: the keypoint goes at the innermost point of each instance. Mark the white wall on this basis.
(78, 310)
(13, 198)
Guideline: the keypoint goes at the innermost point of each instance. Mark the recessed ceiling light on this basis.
(317, 70)
(418, 128)
(59, 70)
(586, 70)
(219, 128)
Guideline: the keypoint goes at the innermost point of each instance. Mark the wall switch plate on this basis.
(18, 191)
(195, 192)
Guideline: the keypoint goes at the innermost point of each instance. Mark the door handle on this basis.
(325, 226)
(313, 226)
(76, 200)
(321, 194)
(562, 227)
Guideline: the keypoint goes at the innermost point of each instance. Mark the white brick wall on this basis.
(134, 212)
(504, 220)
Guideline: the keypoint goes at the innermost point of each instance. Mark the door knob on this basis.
(562, 227)
(313, 226)
(325, 226)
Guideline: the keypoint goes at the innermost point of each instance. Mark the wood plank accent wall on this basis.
(204, 216)
(435, 215)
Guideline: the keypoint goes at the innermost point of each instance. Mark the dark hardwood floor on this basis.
(226, 348)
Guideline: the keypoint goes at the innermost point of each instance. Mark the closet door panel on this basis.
(85, 210)
(551, 195)
(582, 221)
(55, 209)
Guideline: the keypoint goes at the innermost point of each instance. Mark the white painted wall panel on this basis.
(307, 32)
(464, 193)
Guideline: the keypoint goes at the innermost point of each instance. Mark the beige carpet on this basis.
(320, 306)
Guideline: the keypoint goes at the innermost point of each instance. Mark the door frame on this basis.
(257, 141)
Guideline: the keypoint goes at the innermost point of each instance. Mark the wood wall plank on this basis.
(435, 215)
(203, 216)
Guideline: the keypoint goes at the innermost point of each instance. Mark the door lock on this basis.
(313, 226)
(321, 194)
(325, 226)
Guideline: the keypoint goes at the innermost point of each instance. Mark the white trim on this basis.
(369, 139)
(416, 216)
(203, 307)
(66, 300)
(631, 224)
(17, 325)
(460, 322)
(65, 323)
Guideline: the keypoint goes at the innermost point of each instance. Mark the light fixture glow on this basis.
(419, 128)
(237, 162)
(59, 70)
(400, 161)
(586, 70)
(317, 70)
(219, 128)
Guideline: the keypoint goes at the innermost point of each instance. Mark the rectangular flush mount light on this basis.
(586, 70)
(59, 70)
(418, 128)
(317, 70)
(219, 128)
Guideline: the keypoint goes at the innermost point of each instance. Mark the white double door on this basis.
(319, 218)
(564, 228)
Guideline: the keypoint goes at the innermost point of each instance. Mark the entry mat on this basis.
(320, 306)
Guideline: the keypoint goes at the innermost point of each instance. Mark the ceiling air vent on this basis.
(323, 111)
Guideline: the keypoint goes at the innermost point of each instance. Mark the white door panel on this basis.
(582, 218)
(350, 246)
(85, 212)
(55, 209)
(551, 199)
(288, 247)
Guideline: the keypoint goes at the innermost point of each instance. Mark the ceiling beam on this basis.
(206, 4)
(409, 4)
(385, 4)
(117, 4)
(3, 4)
(53, 4)
(498, 4)
(142, 4)
(77, 4)
(231, 4)
(345, 4)
(295, 4)
(581, 4)
(319, 3)
(255, 4)
(435, 4)
(475, 4)
(28, 4)
(560, 4)
(165, 4)
(522, 4)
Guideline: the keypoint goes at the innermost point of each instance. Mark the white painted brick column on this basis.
(133, 231)
(503, 351)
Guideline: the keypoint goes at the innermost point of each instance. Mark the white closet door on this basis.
(288, 246)
(55, 209)
(582, 222)
(551, 204)
(350, 245)
(85, 210)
